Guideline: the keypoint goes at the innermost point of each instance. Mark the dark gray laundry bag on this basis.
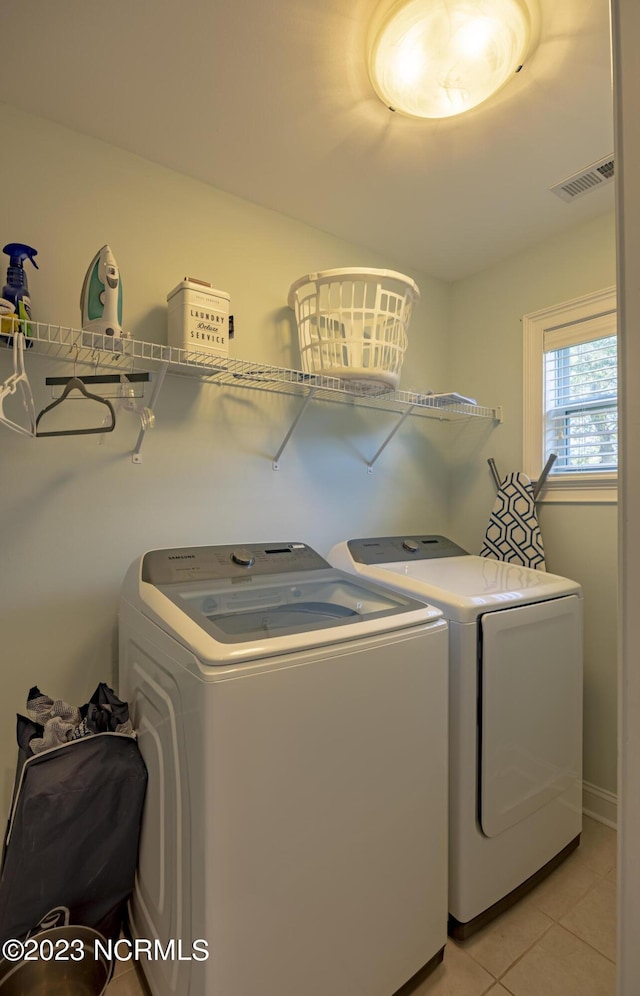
(72, 838)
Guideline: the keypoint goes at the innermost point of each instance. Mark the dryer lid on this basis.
(462, 585)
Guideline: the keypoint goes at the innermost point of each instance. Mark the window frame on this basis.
(596, 315)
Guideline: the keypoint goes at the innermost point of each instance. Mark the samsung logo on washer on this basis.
(182, 556)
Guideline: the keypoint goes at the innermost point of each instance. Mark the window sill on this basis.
(588, 489)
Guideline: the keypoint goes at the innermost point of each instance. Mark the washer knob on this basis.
(243, 557)
(410, 545)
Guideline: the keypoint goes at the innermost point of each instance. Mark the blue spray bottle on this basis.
(16, 288)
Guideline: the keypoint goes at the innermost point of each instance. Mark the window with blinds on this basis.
(581, 404)
(570, 397)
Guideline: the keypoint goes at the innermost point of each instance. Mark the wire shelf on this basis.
(92, 350)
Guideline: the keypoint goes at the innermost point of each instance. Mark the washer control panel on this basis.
(391, 549)
(209, 563)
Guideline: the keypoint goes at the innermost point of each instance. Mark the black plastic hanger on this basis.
(75, 384)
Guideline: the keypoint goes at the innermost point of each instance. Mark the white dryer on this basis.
(285, 711)
(515, 715)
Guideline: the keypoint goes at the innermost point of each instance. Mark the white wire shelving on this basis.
(91, 350)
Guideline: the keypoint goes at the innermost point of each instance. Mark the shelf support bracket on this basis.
(397, 426)
(305, 405)
(157, 385)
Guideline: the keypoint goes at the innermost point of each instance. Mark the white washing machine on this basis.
(285, 711)
(515, 715)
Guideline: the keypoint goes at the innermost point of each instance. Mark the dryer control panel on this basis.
(215, 563)
(391, 549)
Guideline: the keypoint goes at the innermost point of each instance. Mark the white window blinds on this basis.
(581, 396)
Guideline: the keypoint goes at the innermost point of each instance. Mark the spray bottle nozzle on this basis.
(19, 252)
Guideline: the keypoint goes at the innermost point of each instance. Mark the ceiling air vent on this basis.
(586, 180)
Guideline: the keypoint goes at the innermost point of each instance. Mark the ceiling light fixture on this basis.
(437, 58)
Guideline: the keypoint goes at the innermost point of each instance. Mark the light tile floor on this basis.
(557, 941)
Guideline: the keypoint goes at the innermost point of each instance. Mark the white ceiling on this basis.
(270, 100)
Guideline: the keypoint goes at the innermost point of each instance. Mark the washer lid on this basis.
(462, 586)
(232, 614)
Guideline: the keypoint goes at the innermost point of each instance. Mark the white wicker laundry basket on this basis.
(352, 324)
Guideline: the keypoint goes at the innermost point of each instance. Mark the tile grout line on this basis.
(517, 959)
(510, 991)
(500, 977)
(491, 985)
(554, 923)
(566, 927)
(599, 878)
(580, 938)
(575, 903)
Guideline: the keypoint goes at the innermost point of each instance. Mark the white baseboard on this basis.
(600, 805)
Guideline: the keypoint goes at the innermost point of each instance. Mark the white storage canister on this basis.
(198, 317)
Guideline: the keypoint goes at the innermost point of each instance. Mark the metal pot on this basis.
(88, 977)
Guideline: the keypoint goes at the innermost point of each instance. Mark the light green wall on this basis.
(74, 513)
(486, 362)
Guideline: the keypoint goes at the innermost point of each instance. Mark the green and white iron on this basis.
(101, 298)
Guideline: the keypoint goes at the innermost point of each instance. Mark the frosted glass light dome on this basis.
(437, 58)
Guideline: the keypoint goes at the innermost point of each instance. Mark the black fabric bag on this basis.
(72, 839)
